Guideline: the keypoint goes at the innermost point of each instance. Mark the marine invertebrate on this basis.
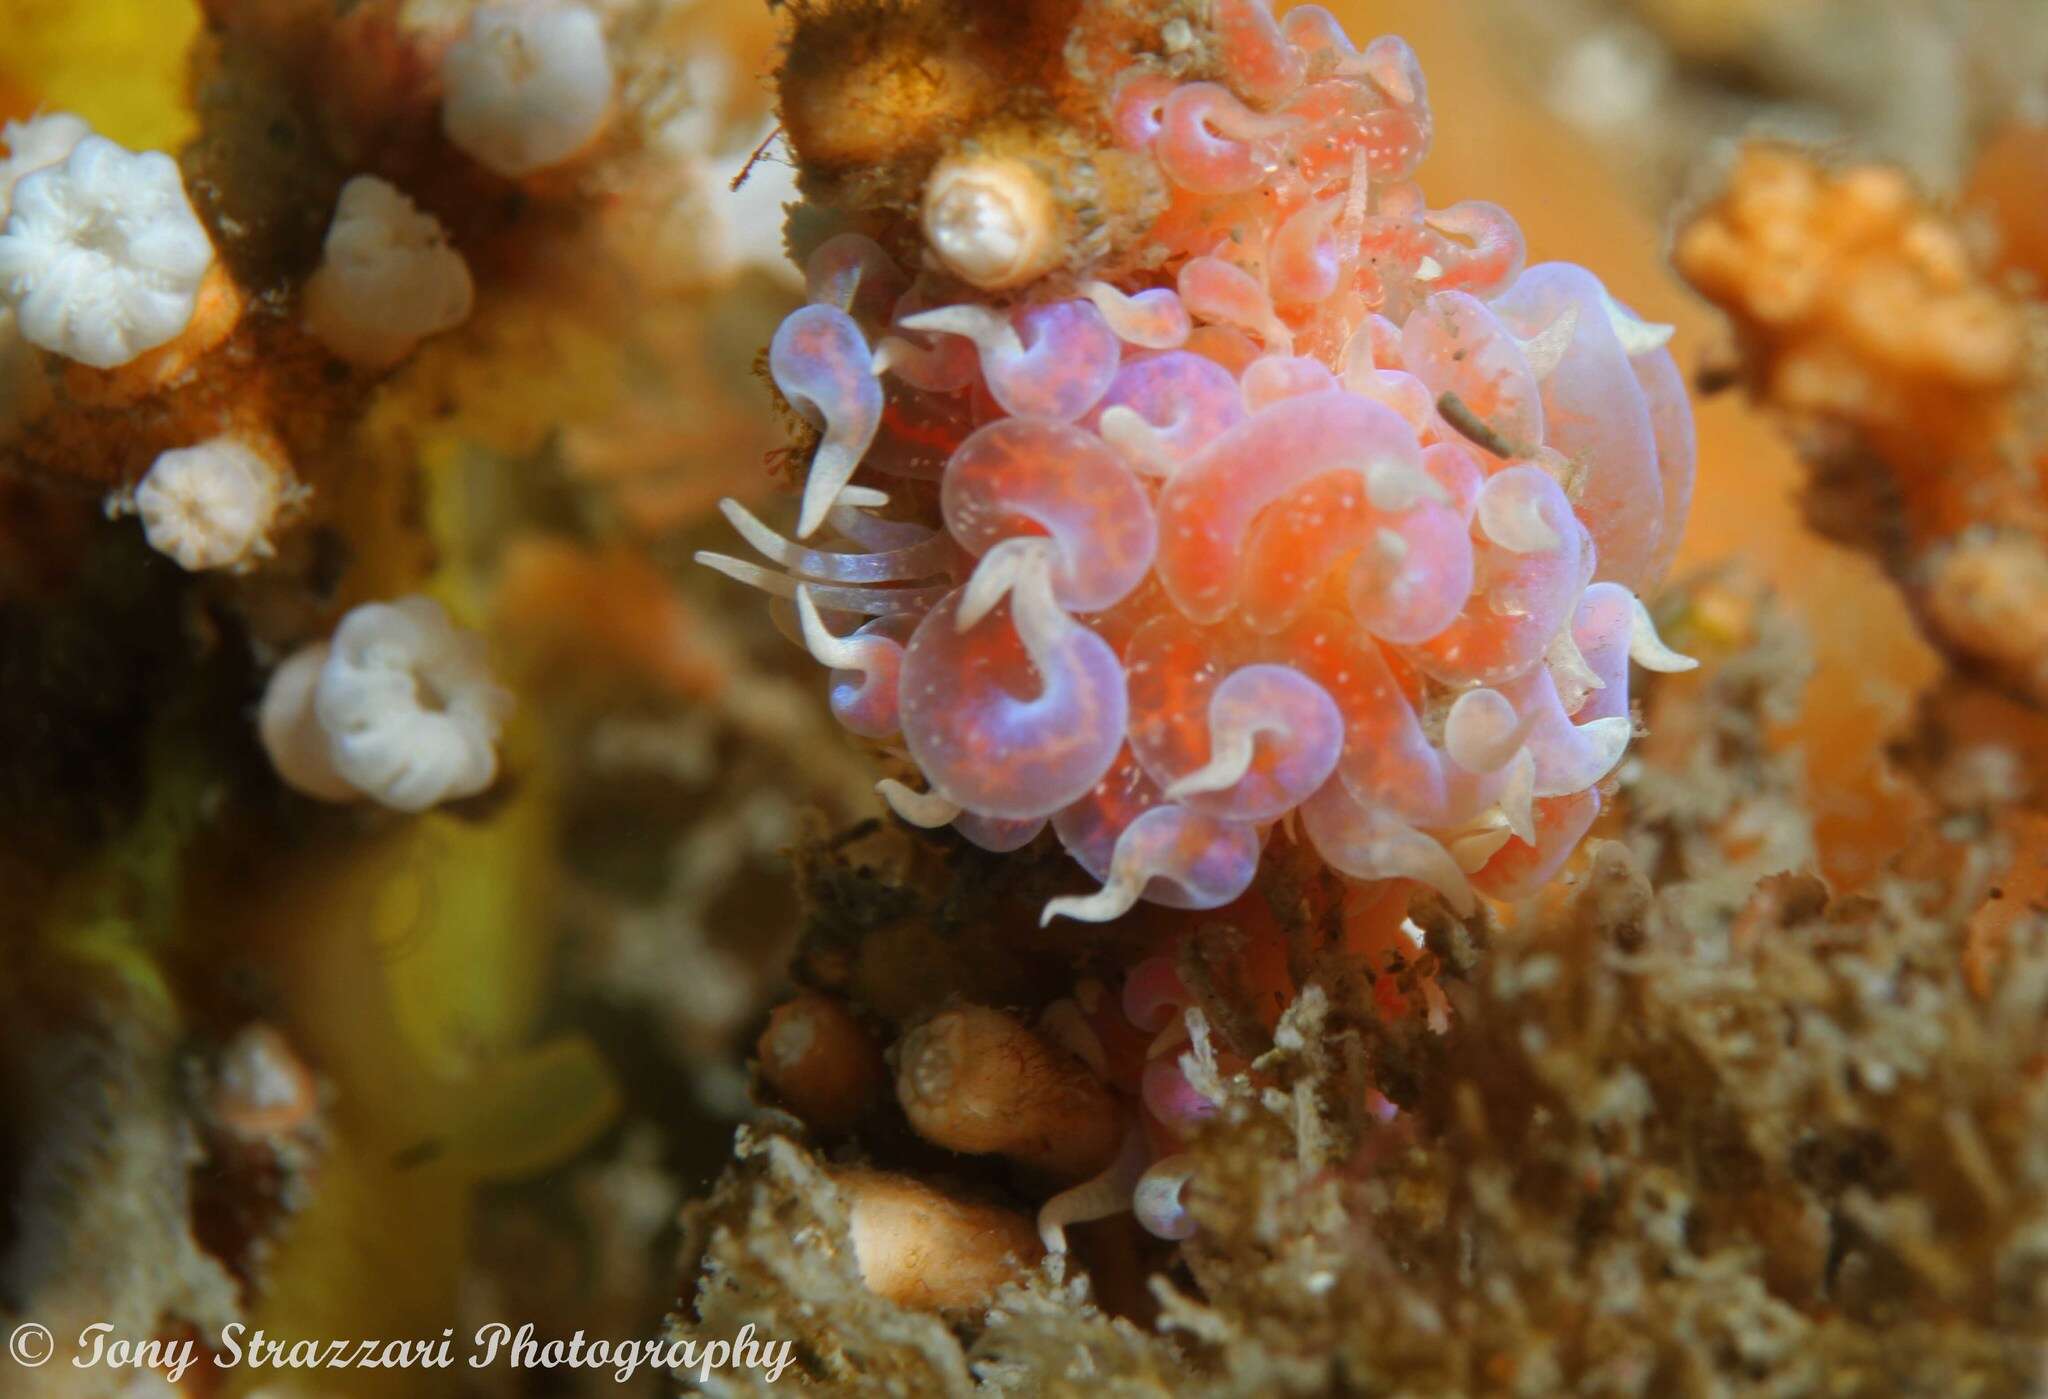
(36, 144)
(880, 1245)
(1337, 513)
(1133, 1040)
(1149, 1036)
(991, 220)
(1902, 1115)
(387, 278)
(289, 726)
(819, 1062)
(529, 85)
(1887, 344)
(861, 86)
(101, 256)
(399, 707)
(213, 505)
(976, 1080)
(921, 1248)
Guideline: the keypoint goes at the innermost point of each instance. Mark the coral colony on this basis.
(104, 263)
(1329, 519)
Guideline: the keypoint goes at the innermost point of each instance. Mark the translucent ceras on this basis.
(1336, 527)
(1134, 1041)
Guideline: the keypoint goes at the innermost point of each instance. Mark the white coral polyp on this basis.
(991, 220)
(388, 278)
(211, 506)
(34, 145)
(291, 731)
(399, 707)
(102, 257)
(527, 86)
(409, 705)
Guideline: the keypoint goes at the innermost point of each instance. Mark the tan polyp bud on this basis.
(262, 1089)
(979, 1081)
(919, 1247)
(819, 1063)
(1987, 597)
(991, 220)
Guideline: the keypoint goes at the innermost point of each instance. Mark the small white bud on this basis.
(213, 505)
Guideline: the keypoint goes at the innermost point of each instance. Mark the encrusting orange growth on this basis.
(1867, 320)
(979, 1081)
(219, 310)
(1865, 299)
(816, 1060)
(2006, 187)
(922, 1248)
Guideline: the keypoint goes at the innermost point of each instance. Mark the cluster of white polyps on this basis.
(1344, 526)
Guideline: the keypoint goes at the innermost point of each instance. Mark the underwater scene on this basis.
(1023, 697)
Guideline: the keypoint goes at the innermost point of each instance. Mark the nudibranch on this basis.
(1335, 518)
